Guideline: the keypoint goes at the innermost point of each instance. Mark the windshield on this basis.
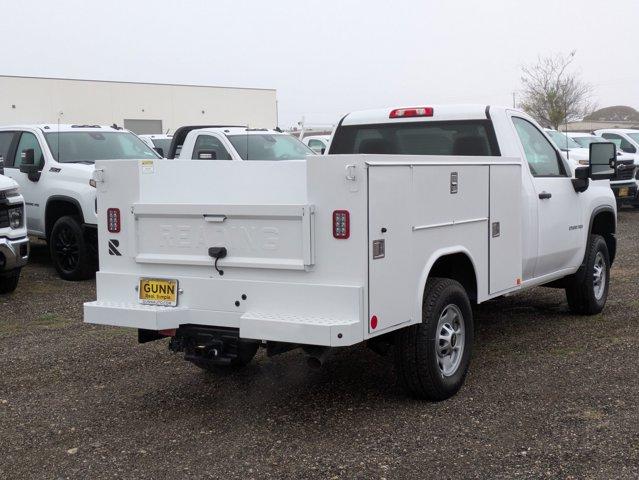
(269, 147)
(163, 143)
(76, 147)
(634, 136)
(562, 141)
(586, 141)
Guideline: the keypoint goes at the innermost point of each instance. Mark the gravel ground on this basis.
(548, 395)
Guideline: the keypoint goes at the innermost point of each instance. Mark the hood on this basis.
(77, 170)
(6, 183)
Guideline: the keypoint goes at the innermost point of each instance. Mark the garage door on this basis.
(143, 127)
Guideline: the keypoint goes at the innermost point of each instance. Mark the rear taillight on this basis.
(341, 224)
(113, 220)
(411, 112)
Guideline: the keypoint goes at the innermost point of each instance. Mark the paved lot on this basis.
(549, 395)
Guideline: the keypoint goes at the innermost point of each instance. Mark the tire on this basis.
(72, 254)
(9, 281)
(421, 369)
(587, 290)
(246, 351)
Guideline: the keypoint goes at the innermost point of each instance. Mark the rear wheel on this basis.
(432, 358)
(72, 253)
(9, 281)
(587, 290)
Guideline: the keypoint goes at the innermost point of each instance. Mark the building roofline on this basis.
(138, 83)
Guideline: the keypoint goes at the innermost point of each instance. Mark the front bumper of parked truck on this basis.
(14, 253)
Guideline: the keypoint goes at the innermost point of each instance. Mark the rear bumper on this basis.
(13, 253)
(327, 315)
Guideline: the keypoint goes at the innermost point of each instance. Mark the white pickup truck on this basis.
(14, 243)
(235, 143)
(415, 215)
(53, 165)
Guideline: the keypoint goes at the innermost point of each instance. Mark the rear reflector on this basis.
(113, 220)
(341, 224)
(411, 112)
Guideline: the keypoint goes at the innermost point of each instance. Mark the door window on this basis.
(208, 144)
(5, 144)
(543, 160)
(621, 142)
(316, 145)
(27, 141)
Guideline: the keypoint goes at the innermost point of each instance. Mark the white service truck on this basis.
(416, 215)
(14, 243)
(53, 165)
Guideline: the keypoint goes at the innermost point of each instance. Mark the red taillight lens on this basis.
(113, 220)
(341, 224)
(411, 112)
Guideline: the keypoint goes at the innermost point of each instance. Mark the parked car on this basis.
(53, 165)
(627, 140)
(624, 186)
(449, 207)
(161, 143)
(237, 143)
(14, 243)
(317, 143)
(585, 139)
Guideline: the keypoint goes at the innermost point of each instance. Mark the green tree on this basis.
(553, 94)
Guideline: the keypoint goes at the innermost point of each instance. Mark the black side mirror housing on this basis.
(28, 166)
(603, 160)
(207, 155)
(582, 179)
(1, 165)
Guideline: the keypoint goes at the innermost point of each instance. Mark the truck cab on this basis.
(53, 165)
(241, 143)
(415, 215)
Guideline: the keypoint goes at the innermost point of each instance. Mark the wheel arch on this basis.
(58, 206)
(455, 263)
(603, 221)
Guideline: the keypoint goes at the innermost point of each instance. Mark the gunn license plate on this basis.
(156, 291)
(623, 192)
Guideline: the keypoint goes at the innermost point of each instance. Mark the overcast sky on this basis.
(329, 57)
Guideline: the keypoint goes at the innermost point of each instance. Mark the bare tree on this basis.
(554, 95)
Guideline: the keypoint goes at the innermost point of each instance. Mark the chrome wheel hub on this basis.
(599, 276)
(450, 340)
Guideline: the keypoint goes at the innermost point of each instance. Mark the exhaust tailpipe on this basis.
(316, 356)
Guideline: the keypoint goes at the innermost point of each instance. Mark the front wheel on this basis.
(72, 254)
(587, 290)
(432, 357)
(9, 281)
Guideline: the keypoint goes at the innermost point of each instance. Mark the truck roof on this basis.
(620, 130)
(440, 113)
(241, 131)
(65, 127)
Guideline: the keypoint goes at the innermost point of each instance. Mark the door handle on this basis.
(545, 195)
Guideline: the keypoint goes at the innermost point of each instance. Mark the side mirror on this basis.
(603, 160)
(322, 150)
(1, 165)
(207, 155)
(581, 181)
(160, 151)
(28, 166)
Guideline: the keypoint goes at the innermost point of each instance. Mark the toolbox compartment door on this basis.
(255, 236)
(389, 228)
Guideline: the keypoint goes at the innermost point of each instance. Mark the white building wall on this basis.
(40, 100)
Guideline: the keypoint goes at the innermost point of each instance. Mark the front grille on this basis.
(626, 173)
(4, 216)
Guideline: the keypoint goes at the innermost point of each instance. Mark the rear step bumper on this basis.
(308, 330)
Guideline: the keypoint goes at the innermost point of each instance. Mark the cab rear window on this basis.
(474, 137)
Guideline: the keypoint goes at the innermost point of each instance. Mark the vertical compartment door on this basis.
(389, 246)
(504, 229)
